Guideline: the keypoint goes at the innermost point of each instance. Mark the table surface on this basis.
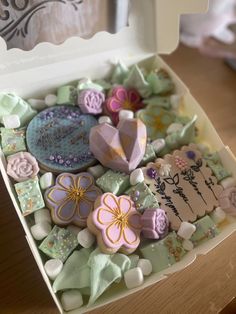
(206, 286)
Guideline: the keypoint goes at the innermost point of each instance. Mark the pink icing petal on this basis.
(130, 237)
(125, 204)
(113, 105)
(135, 221)
(66, 211)
(66, 180)
(56, 195)
(84, 208)
(84, 181)
(113, 234)
(92, 193)
(120, 93)
(134, 96)
(110, 201)
(104, 216)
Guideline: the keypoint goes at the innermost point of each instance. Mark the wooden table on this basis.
(206, 286)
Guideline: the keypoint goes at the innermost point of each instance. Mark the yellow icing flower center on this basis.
(76, 193)
(121, 220)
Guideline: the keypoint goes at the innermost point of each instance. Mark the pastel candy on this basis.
(46, 180)
(158, 145)
(91, 101)
(227, 183)
(72, 198)
(145, 265)
(50, 100)
(42, 215)
(119, 74)
(53, 267)
(160, 82)
(41, 230)
(218, 215)
(66, 95)
(11, 121)
(122, 148)
(135, 79)
(186, 230)
(113, 181)
(85, 238)
(12, 104)
(125, 114)
(205, 229)
(37, 104)
(12, 141)
(134, 258)
(136, 176)
(227, 201)
(155, 224)
(104, 119)
(160, 101)
(148, 156)
(74, 229)
(214, 162)
(175, 100)
(96, 171)
(174, 127)
(86, 83)
(71, 300)
(133, 278)
(188, 245)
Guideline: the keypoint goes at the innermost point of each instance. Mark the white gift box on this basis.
(153, 28)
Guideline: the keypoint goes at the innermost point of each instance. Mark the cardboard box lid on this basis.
(153, 28)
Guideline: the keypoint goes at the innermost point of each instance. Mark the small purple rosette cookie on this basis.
(155, 224)
(91, 101)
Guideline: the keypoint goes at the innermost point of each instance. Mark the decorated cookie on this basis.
(12, 141)
(155, 223)
(187, 190)
(116, 223)
(72, 198)
(121, 148)
(22, 166)
(58, 138)
(91, 101)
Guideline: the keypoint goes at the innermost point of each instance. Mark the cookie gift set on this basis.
(116, 173)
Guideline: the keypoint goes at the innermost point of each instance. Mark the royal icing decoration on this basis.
(120, 148)
(116, 224)
(155, 223)
(72, 198)
(91, 101)
(188, 191)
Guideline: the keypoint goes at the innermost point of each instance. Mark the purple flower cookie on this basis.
(155, 223)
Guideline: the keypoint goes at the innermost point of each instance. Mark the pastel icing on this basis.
(58, 138)
(155, 223)
(72, 198)
(116, 223)
(12, 140)
(135, 79)
(59, 243)
(121, 148)
(113, 181)
(22, 166)
(29, 195)
(91, 101)
(120, 73)
(160, 82)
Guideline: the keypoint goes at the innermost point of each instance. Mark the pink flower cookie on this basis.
(22, 166)
(122, 98)
(116, 223)
(72, 198)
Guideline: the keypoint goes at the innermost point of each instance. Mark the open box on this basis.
(35, 73)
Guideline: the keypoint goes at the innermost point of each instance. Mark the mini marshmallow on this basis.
(42, 215)
(53, 267)
(174, 127)
(145, 265)
(74, 229)
(203, 147)
(85, 238)
(126, 114)
(133, 277)
(175, 101)
(37, 104)
(218, 215)
(188, 245)
(136, 176)
(104, 119)
(158, 145)
(227, 183)
(50, 100)
(41, 230)
(96, 171)
(11, 121)
(71, 300)
(46, 180)
(186, 230)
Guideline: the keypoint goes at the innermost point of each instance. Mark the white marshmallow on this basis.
(158, 145)
(175, 101)
(37, 104)
(46, 180)
(85, 238)
(133, 277)
(71, 300)
(136, 176)
(96, 171)
(104, 119)
(188, 245)
(50, 100)
(42, 215)
(145, 265)
(186, 230)
(53, 268)
(174, 127)
(126, 114)
(41, 230)
(74, 229)
(218, 215)
(203, 147)
(227, 183)
(11, 121)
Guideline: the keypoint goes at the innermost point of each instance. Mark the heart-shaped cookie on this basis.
(120, 148)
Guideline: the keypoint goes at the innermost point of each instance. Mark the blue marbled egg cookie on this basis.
(58, 137)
